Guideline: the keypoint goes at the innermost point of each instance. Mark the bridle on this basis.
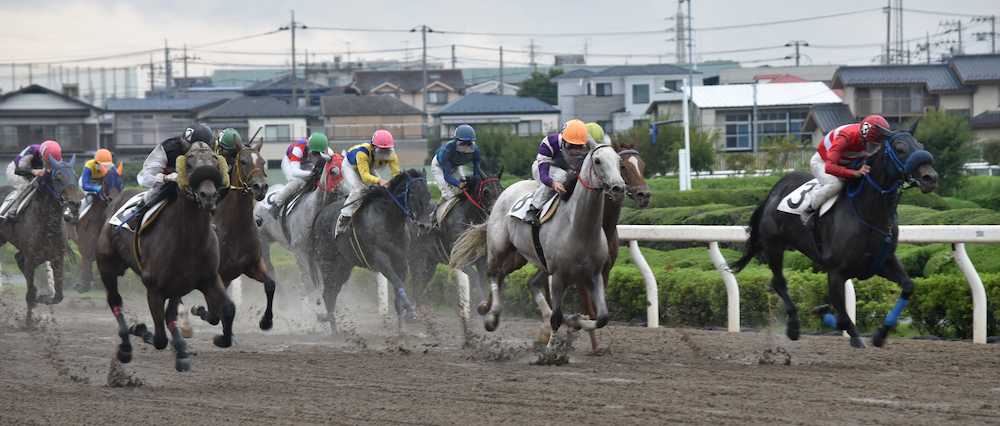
(590, 156)
(480, 192)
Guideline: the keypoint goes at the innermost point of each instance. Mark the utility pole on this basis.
(453, 56)
(888, 31)
(797, 43)
(680, 38)
(49, 79)
(927, 47)
(114, 83)
(152, 74)
(305, 75)
(993, 33)
(960, 37)
(90, 84)
(186, 64)
(295, 102)
(167, 69)
(424, 29)
(500, 87)
(104, 87)
(13, 77)
(531, 52)
(753, 120)
(31, 78)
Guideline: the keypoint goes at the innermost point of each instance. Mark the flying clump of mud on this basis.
(557, 352)
(118, 377)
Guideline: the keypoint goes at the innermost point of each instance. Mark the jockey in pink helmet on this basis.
(360, 171)
(33, 161)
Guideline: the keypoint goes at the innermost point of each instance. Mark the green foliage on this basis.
(661, 157)
(942, 305)
(541, 86)
(917, 198)
(779, 151)
(949, 138)
(514, 153)
(991, 151)
(734, 197)
(958, 203)
(982, 190)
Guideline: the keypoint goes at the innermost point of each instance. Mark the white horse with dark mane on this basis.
(573, 247)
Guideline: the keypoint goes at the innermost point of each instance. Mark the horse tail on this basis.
(469, 247)
(753, 243)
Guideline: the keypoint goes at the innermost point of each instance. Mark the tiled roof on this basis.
(936, 78)
(284, 83)
(160, 104)
(488, 103)
(410, 81)
(977, 68)
(827, 117)
(355, 105)
(986, 120)
(254, 106)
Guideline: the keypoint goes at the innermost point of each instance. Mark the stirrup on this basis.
(342, 223)
(533, 216)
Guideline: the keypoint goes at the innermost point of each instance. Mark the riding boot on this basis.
(532, 216)
(807, 217)
(342, 223)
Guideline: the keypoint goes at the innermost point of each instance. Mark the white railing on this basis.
(956, 235)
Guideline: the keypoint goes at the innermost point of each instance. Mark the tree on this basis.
(541, 86)
(661, 157)
(949, 139)
(991, 151)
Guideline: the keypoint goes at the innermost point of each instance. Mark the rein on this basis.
(479, 192)
(401, 201)
(242, 184)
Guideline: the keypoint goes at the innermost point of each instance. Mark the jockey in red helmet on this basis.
(32, 162)
(840, 148)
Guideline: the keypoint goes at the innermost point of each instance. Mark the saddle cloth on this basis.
(442, 210)
(126, 210)
(523, 204)
(26, 194)
(289, 205)
(798, 200)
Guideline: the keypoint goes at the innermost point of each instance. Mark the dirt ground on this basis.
(57, 372)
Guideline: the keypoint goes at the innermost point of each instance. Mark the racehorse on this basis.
(633, 169)
(176, 254)
(38, 233)
(571, 247)
(471, 208)
(378, 239)
(855, 239)
(294, 231)
(240, 247)
(88, 228)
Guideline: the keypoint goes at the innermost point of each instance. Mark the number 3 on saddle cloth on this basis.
(797, 201)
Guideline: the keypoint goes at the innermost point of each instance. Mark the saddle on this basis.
(797, 201)
(442, 210)
(520, 208)
(21, 199)
(119, 218)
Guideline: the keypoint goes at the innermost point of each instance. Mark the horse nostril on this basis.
(617, 188)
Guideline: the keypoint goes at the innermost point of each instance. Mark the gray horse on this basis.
(574, 248)
(294, 231)
(38, 233)
(379, 239)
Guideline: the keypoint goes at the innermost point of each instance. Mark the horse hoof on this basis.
(138, 330)
(483, 309)
(44, 300)
(223, 341)
(183, 365)
(879, 338)
(124, 356)
(792, 331)
(266, 323)
(199, 311)
(187, 332)
(857, 343)
(490, 322)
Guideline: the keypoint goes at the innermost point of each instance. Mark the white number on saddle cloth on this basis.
(523, 204)
(797, 201)
(125, 211)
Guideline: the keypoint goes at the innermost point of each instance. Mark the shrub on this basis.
(991, 151)
(942, 305)
(917, 198)
(983, 190)
(733, 197)
(949, 138)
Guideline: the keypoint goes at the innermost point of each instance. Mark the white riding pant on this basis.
(829, 185)
(353, 186)
(295, 180)
(543, 193)
(18, 182)
(447, 190)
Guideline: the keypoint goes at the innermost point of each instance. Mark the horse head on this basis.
(633, 170)
(409, 192)
(908, 161)
(602, 170)
(62, 182)
(249, 170)
(201, 178)
(485, 191)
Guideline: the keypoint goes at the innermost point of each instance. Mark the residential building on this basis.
(280, 122)
(823, 118)
(493, 86)
(523, 116)
(306, 92)
(443, 86)
(352, 119)
(35, 113)
(618, 97)
(821, 73)
(141, 123)
(729, 111)
(967, 85)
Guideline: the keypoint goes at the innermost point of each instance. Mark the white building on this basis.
(619, 97)
(523, 116)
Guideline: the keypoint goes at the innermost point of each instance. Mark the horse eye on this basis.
(597, 161)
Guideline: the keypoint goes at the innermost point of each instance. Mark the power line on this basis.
(235, 39)
(788, 21)
(936, 12)
(586, 34)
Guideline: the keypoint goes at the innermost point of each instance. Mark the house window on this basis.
(640, 93)
(437, 97)
(603, 89)
(529, 128)
(896, 100)
(671, 86)
(962, 112)
(277, 133)
(738, 132)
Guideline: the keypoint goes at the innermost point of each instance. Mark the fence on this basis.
(956, 235)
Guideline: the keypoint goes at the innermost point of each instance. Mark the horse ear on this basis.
(72, 160)
(121, 167)
(913, 127)
(256, 145)
(500, 173)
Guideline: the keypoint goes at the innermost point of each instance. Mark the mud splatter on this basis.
(118, 377)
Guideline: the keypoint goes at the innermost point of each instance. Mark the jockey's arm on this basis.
(448, 170)
(294, 165)
(394, 164)
(153, 168)
(833, 157)
(544, 159)
(477, 169)
(23, 167)
(87, 184)
(364, 167)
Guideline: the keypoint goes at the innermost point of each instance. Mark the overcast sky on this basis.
(44, 30)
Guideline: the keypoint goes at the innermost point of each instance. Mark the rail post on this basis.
(732, 287)
(850, 302)
(382, 284)
(978, 292)
(652, 291)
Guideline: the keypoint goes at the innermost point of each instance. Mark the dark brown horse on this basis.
(178, 253)
(88, 228)
(234, 223)
(38, 233)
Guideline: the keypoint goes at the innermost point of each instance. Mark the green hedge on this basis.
(697, 197)
(982, 190)
(942, 305)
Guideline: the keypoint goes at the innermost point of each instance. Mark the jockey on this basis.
(360, 171)
(448, 161)
(33, 161)
(596, 133)
(558, 155)
(297, 164)
(839, 149)
(159, 171)
(92, 178)
(229, 143)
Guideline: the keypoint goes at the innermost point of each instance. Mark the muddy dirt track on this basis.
(56, 372)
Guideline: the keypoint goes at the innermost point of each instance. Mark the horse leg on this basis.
(220, 306)
(57, 277)
(182, 361)
(775, 260)
(405, 310)
(894, 271)
(206, 314)
(480, 278)
(537, 285)
(28, 271)
(159, 338)
(260, 274)
(492, 317)
(835, 285)
(86, 273)
(556, 289)
(124, 353)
